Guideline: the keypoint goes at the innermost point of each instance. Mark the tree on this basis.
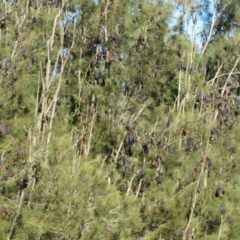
(113, 125)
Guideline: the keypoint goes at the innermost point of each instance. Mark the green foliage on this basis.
(113, 127)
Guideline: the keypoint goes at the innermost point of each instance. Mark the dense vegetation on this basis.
(114, 125)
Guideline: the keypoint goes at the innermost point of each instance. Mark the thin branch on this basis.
(210, 32)
(139, 187)
(179, 89)
(229, 76)
(220, 228)
(120, 147)
(130, 185)
(16, 217)
(194, 199)
(90, 135)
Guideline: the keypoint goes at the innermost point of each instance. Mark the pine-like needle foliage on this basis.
(113, 125)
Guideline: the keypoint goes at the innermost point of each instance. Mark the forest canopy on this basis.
(119, 119)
